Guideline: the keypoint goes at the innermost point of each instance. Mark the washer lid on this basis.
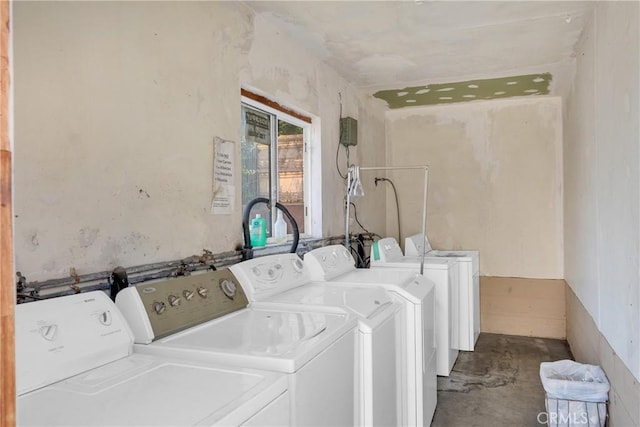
(364, 302)
(462, 255)
(376, 276)
(414, 245)
(264, 339)
(413, 263)
(144, 390)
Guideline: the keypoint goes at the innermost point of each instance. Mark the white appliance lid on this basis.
(430, 263)
(364, 302)
(144, 390)
(415, 245)
(383, 277)
(264, 339)
(462, 255)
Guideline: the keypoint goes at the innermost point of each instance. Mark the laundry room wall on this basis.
(602, 204)
(315, 88)
(116, 108)
(495, 185)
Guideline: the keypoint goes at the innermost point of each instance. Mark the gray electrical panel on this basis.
(348, 131)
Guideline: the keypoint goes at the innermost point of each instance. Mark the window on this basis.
(274, 161)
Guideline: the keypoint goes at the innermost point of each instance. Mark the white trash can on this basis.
(576, 394)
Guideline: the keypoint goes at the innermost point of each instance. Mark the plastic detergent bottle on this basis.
(258, 231)
(280, 229)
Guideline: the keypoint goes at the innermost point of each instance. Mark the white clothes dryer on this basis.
(386, 253)
(334, 265)
(469, 268)
(282, 281)
(204, 317)
(75, 367)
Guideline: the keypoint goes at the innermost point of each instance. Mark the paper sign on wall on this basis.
(224, 189)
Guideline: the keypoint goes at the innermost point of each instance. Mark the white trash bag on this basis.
(576, 393)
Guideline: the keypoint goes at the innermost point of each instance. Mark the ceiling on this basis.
(391, 47)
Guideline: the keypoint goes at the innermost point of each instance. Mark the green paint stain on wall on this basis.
(446, 93)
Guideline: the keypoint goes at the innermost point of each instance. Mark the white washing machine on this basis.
(204, 317)
(75, 367)
(386, 253)
(469, 268)
(282, 281)
(335, 265)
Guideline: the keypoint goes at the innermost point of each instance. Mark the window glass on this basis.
(256, 161)
(275, 171)
(291, 170)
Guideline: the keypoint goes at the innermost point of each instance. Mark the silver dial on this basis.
(188, 295)
(159, 307)
(228, 288)
(174, 300)
(202, 291)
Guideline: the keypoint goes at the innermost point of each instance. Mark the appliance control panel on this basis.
(60, 337)
(417, 244)
(328, 262)
(171, 305)
(268, 275)
(386, 250)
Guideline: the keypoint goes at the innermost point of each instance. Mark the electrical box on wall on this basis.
(348, 131)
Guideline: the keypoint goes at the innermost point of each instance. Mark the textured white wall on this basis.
(602, 174)
(116, 108)
(317, 89)
(495, 181)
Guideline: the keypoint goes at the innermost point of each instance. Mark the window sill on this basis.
(278, 248)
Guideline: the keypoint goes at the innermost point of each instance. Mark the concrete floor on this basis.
(498, 384)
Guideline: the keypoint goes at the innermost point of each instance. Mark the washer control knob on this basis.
(346, 255)
(159, 307)
(228, 288)
(297, 265)
(202, 291)
(49, 332)
(174, 300)
(256, 271)
(105, 318)
(188, 295)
